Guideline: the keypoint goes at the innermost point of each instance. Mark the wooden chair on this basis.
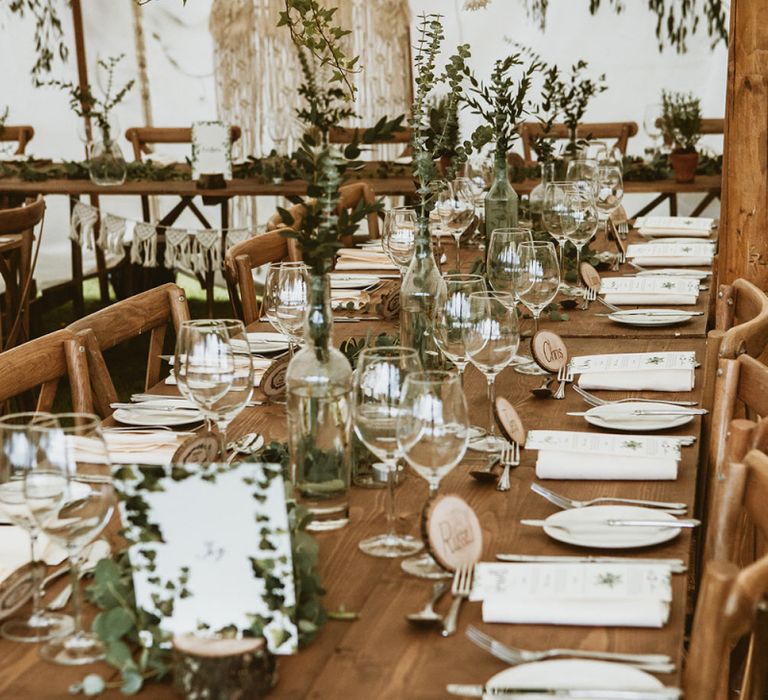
(621, 131)
(40, 364)
(16, 263)
(239, 263)
(22, 135)
(149, 311)
(143, 138)
(731, 605)
(344, 135)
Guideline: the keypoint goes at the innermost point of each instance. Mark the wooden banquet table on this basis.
(380, 655)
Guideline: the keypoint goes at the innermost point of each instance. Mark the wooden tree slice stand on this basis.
(202, 448)
(549, 351)
(509, 421)
(272, 383)
(590, 276)
(452, 532)
(226, 669)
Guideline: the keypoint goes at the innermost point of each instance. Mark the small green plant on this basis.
(681, 120)
(85, 104)
(572, 94)
(444, 119)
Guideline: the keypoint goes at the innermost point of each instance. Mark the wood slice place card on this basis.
(452, 532)
(590, 276)
(549, 351)
(390, 305)
(202, 448)
(272, 382)
(509, 421)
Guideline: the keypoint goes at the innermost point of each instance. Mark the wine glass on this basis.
(609, 192)
(399, 236)
(538, 285)
(286, 299)
(581, 169)
(224, 410)
(18, 455)
(651, 114)
(204, 363)
(71, 497)
(451, 316)
(492, 337)
(461, 212)
(432, 435)
(559, 224)
(580, 203)
(381, 373)
(272, 290)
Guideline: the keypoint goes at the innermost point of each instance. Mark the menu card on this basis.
(201, 572)
(572, 441)
(672, 254)
(633, 362)
(650, 285)
(211, 149)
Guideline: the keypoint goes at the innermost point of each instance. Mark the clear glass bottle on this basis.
(501, 199)
(418, 292)
(106, 165)
(536, 198)
(319, 406)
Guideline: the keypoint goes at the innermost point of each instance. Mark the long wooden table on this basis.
(380, 655)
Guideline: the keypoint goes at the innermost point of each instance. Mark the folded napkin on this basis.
(643, 371)
(629, 299)
(557, 464)
(341, 298)
(362, 259)
(14, 550)
(155, 447)
(678, 226)
(591, 594)
(260, 366)
(650, 380)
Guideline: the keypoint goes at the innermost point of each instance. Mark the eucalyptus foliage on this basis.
(49, 35)
(573, 92)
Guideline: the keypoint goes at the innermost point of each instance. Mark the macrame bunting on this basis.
(178, 248)
(111, 234)
(144, 245)
(83, 224)
(206, 250)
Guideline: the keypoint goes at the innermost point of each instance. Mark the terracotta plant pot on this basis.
(684, 166)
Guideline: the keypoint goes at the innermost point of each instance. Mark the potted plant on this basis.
(681, 124)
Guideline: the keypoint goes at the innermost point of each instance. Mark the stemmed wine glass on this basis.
(559, 224)
(71, 497)
(286, 299)
(461, 212)
(399, 236)
(582, 169)
(650, 115)
(451, 317)
(18, 455)
(582, 209)
(609, 192)
(381, 373)
(432, 435)
(204, 363)
(491, 337)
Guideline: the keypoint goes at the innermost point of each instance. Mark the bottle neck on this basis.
(500, 167)
(423, 241)
(547, 172)
(318, 324)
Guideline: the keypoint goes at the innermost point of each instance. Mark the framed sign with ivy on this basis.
(211, 150)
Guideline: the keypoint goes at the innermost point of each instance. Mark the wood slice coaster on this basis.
(452, 532)
(509, 421)
(216, 648)
(390, 305)
(273, 380)
(549, 351)
(202, 448)
(590, 276)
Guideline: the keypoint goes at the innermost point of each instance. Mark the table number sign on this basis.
(452, 532)
(590, 276)
(200, 572)
(549, 351)
(508, 420)
(211, 149)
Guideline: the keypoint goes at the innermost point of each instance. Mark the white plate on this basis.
(618, 416)
(267, 341)
(574, 674)
(339, 281)
(590, 530)
(632, 318)
(147, 419)
(675, 272)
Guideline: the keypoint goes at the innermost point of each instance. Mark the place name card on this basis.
(650, 285)
(549, 351)
(211, 149)
(272, 383)
(509, 421)
(602, 443)
(669, 250)
(452, 532)
(633, 362)
(590, 276)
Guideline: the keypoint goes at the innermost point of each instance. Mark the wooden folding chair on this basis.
(239, 263)
(21, 134)
(17, 225)
(149, 311)
(40, 364)
(620, 131)
(731, 606)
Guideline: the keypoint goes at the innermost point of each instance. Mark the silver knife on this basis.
(615, 522)
(478, 691)
(154, 408)
(677, 566)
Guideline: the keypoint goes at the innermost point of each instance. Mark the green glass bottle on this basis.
(501, 199)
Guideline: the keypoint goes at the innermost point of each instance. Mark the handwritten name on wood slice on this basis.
(390, 305)
(202, 448)
(549, 351)
(509, 421)
(590, 276)
(273, 381)
(452, 532)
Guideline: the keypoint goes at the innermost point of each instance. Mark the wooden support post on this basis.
(744, 217)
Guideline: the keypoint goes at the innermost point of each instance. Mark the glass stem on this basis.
(578, 262)
(491, 399)
(562, 262)
(77, 612)
(458, 259)
(433, 486)
(536, 315)
(37, 577)
(391, 515)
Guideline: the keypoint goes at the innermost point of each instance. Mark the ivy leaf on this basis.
(113, 624)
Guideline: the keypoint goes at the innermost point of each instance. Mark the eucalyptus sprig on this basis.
(49, 33)
(573, 94)
(85, 104)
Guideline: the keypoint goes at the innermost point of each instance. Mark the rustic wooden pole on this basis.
(82, 64)
(744, 216)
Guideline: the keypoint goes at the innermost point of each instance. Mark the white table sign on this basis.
(211, 149)
(225, 554)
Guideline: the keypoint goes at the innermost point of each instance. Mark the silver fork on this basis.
(564, 375)
(510, 457)
(589, 295)
(590, 398)
(460, 590)
(606, 304)
(569, 503)
(658, 663)
(623, 229)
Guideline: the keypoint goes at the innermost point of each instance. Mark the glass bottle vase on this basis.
(500, 203)
(106, 165)
(536, 198)
(319, 406)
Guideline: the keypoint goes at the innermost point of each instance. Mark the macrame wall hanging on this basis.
(257, 72)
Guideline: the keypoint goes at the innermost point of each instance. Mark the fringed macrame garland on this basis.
(144, 245)
(111, 234)
(178, 248)
(206, 250)
(83, 224)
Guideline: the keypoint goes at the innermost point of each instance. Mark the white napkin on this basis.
(361, 259)
(591, 594)
(556, 464)
(679, 226)
(647, 380)
(340, 298)
(630, 299)
(14, 550)
(150, 447)
(259, 367)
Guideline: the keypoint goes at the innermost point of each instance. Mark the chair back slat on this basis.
(142, 138)
(621, 131)
(343, 134)
(22, 134)
(741, 312)
(24, 218)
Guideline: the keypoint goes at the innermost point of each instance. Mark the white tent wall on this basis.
(179, 57)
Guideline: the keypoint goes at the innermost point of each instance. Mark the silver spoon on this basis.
(245, 445)
(488, 472)
(427, 617)
(543, 391)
